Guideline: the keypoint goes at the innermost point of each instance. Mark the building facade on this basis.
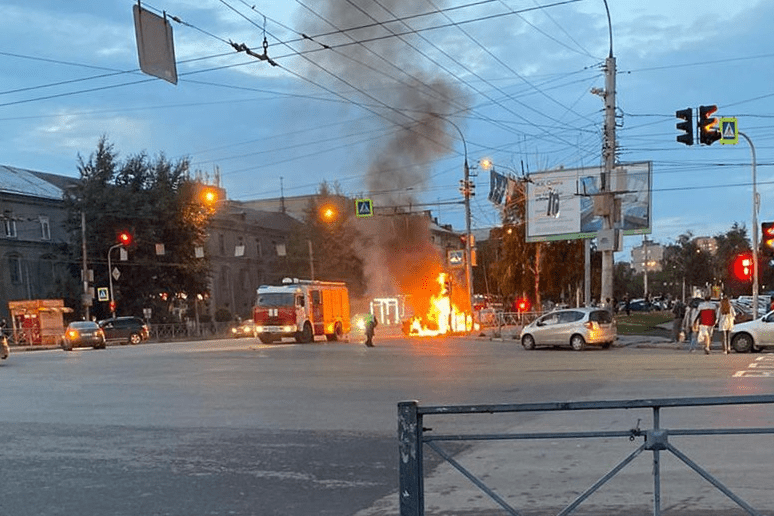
(647, 256)
(33, 241)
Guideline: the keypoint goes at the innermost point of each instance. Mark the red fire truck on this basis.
(301, 309)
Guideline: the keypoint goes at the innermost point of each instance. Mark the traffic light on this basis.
(686, 125)
(743, 267)
(125, 238)
(767, 237)
(112, 306)
(522, 305)
(708, 125)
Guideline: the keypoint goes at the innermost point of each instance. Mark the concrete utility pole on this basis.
(607, 197)
(756, 201)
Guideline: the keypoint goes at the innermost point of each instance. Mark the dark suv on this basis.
(125, 329)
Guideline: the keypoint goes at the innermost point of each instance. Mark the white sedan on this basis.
(753, 335)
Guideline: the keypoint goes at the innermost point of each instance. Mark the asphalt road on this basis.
(239, 428)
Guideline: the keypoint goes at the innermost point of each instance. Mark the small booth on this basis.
(38, 321)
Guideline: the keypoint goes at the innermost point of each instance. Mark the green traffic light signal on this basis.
(686, 115)
(709, 131)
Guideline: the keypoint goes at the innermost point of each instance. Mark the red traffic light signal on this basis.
(686, 115)
(124, 238)
(522, 305)
(708, 125)
(743, 267)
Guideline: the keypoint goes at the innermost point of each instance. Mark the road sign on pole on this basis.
(729, 131)
(364, 208)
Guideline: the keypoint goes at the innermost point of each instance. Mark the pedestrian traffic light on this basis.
(112, 306)
(686, 115)
(708, 125)
(125, 238)
(522, 305)
(767, 237)
(743, 267)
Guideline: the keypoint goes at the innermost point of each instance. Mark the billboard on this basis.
(560, 203)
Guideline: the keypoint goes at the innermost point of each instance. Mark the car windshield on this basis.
(275, 299)
(83, 325)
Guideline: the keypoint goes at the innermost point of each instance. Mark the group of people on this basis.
(697, 323)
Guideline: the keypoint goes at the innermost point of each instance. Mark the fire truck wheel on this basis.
(306, 334)
(336, 335)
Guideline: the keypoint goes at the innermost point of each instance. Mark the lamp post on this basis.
(755, 206)
(466, 192)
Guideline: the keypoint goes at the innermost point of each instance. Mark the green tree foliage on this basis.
(330, 234)
(155, 201)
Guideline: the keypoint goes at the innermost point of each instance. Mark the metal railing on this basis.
(413, 436)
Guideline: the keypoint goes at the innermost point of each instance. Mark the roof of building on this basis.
(20, 181)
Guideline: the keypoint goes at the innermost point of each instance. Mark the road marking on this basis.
(759, 368)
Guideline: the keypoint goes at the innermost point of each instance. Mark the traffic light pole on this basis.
(110, 280)
(756, 201)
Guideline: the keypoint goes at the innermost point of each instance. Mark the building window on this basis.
(10, 226)
(14, 269)
(45, 228)
(221, 244)
(258, 248)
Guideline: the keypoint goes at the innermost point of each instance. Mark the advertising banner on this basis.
(560, 203)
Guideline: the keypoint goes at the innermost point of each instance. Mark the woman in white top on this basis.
(726, 315)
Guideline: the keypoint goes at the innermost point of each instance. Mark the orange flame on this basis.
(442, 316)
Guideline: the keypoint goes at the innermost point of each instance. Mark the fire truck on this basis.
(302, 309)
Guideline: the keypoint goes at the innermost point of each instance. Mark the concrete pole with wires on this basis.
(607, 197)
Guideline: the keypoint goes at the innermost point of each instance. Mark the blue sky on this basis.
(512, 77)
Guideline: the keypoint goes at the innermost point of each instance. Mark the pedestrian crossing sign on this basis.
(729, 131)
(364, 207)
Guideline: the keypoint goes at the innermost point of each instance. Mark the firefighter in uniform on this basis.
(370, 325)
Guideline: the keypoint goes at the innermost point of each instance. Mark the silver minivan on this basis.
(574, 327)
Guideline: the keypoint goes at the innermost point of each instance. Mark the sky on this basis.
(387, 98)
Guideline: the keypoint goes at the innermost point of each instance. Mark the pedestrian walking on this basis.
(706, 318)
(726, 322)
(370, 325)
(690, 326)
(627, 305)
(677, 323)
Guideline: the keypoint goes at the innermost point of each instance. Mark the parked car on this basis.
(753, 335)
(83, 333)
(246, 329)
(132, 330)
(574, 327)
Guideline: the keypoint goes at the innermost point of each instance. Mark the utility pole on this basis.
(86, 299)
(607, 197)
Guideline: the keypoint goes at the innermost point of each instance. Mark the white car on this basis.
(574, 327)
(753, 335)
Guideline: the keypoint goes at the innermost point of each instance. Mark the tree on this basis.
(331, 234)
(157, 202)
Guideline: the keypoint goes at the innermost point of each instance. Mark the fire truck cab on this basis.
(302, 309)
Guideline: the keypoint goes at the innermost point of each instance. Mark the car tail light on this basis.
(72, 334)
(591, 325)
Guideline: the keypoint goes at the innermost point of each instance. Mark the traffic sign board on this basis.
(102, 293)
(456, 257)
(364, 207)
(729, 130)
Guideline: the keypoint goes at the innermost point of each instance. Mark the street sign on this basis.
(729, 131)
(116, 273)
(102, 293)
(364, 208)
(456, 257)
